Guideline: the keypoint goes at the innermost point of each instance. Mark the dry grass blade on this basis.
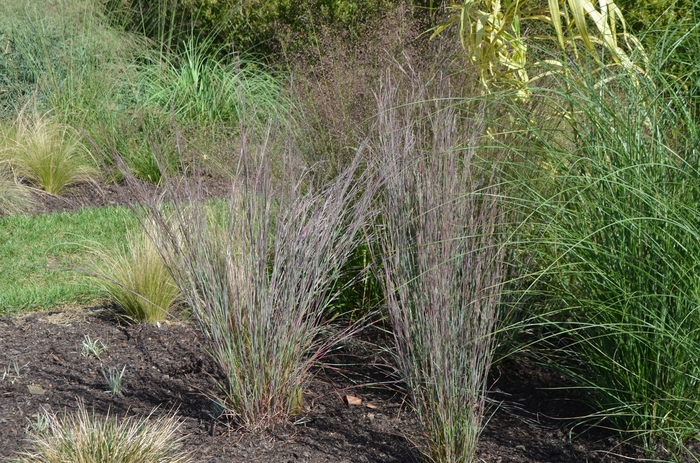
(15, 198)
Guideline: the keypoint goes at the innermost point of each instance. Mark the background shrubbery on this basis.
(250, 26)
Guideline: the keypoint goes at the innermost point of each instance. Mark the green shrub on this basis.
(251, 26)
(643, 16)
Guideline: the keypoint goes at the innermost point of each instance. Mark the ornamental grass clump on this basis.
(197, 87)
(258, 275)
(442, 253)
(47, 154)
(15, 198)
(86, 438)
(614, 196)
(137, 279)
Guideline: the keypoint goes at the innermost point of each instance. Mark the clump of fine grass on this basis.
(258, 276)
(47, 154)
(115, 380)
(137, 279)
(90, 439)
(614, 195)
(15, 198)
(93, 347)
(198, 87)
(442, 260)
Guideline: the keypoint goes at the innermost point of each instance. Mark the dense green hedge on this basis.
(261, 26)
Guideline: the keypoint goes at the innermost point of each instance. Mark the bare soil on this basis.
(167, 369)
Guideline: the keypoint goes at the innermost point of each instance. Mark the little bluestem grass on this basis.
(441, 255)
(258, 275)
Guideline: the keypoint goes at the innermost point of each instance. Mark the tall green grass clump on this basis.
(83, 71)
(442, 253)
(73, 62)
(196, 86)
(89, 439)
(258, 276)
(617, 185)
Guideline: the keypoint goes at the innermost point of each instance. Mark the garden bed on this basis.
(166, 368)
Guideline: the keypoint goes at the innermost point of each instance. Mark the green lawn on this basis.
(39, 255)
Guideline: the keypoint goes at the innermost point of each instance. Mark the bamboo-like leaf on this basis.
(600, 20)
(490, 33)
(556, 20)
(578, 11)
(480, 29)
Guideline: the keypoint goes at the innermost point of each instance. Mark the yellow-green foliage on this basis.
(492, 35)
(46, 153)
(137, 279)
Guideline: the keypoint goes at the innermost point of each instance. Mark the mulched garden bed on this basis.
(167, 369)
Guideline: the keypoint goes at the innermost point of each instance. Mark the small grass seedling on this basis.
(90, 347)
(114, 379)
(11, 373)
(40, 425)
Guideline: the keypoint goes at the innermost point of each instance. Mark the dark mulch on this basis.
(167, 368)
(87, 194)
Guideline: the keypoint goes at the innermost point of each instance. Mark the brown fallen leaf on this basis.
(372, 406)
(352, 400)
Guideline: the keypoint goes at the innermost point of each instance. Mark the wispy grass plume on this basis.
(15, 198)
(47, 154)
(137, 279)
(442, 259)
